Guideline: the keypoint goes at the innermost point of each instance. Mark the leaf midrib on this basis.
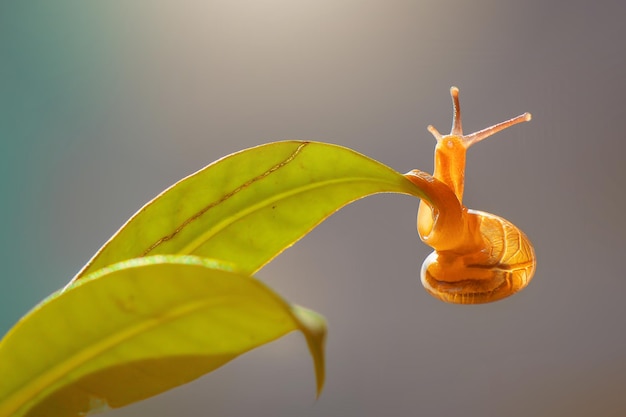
(212, 231)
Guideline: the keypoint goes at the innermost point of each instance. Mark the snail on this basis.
(479, 257)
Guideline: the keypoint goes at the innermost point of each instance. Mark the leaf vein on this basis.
(224, 198)
(194, 245)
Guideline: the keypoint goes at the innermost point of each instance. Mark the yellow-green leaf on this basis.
(248, 207)
(139, 328)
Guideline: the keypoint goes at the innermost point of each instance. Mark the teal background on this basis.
(104, 104)
(53, 79)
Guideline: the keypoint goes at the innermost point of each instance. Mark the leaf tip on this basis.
(314, 328)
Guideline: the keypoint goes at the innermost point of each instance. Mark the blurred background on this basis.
(105, 104)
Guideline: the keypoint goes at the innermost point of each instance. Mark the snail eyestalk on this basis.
(457, 126)
(469, 140)
(478, 257)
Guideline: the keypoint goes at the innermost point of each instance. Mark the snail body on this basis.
(479, 257)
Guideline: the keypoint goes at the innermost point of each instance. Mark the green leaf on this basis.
(248, 207)
(139, 328)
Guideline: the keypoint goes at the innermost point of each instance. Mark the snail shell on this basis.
(504, 265)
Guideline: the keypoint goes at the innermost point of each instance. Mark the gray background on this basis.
(104, 104)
